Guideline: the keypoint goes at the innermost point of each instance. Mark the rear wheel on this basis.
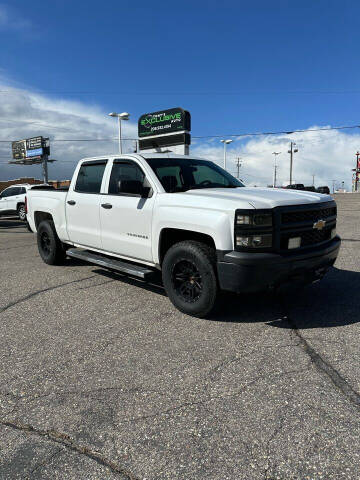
(189, 278)
(50, 247)
(21, 212)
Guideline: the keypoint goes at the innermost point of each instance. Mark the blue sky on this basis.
(238, 66)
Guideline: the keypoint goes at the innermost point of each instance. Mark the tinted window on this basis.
(5, 193)
(22, 190)
(181, 174)
(16, 191)
(126, 178)
(90, 177)
(9, 192)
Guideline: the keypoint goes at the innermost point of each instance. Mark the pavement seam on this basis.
(38, 292)
(68, 442)
(325, 367)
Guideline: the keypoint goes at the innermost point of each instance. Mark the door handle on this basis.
(106, 205)
(71, 202)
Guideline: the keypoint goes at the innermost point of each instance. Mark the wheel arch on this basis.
(170, 236)
(41, 216)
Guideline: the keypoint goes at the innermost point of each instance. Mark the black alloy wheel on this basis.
(45, 243)
(187, 281)
(189, 277)
(51, 249)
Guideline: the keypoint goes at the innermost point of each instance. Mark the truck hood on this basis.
(261, 197)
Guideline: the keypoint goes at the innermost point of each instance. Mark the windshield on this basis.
(181, 174)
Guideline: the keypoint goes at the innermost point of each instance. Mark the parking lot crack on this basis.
(204, 401)
(43, 463)
(43, 290)
(69, 443)
(323, 366)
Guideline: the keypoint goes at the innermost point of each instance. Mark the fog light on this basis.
(294, 242)
(254, 241)
(333, 233)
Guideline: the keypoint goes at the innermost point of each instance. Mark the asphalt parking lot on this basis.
(102, 378)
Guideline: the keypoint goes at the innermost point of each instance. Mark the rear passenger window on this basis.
(90, 177)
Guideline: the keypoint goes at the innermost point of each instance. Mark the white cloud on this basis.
(328, 154)
(24, 114)
(10, 20)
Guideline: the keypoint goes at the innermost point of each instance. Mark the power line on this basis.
(254, 134)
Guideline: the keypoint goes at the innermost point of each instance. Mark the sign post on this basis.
(163, 129)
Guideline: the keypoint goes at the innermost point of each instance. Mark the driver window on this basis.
(7, 193)
(126, 178)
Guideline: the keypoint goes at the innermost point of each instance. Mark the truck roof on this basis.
(144, 155)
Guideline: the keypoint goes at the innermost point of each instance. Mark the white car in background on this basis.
(12, 201)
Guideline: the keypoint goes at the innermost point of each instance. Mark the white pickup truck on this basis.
(188, 218)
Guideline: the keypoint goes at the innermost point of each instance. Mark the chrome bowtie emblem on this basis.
(319, 225)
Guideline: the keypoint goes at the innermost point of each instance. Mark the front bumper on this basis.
(255, 272)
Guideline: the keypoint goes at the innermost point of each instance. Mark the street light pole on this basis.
(120, 116)
(238, 165)
(275, 167)
(225, 142)
(119, 138)
(292, 151)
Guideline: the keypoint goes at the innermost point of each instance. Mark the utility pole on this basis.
(313, 175)
(45, 168)
(292, 150)
(238, 165)
(275, 167)
(333, 189)
(357, 170)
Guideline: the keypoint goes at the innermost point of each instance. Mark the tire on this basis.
(21, 212)
(188, 273)
(50, 247)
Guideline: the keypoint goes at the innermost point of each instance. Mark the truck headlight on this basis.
(254, 219)
(254, 241)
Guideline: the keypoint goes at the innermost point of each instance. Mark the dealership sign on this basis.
(166, 128)
(173, 120)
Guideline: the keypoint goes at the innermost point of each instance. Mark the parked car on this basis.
(296, 186)
(325, 190)
(12, 201)
(310, 188)
(190, 219)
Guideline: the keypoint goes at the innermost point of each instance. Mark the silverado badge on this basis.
(319, 225)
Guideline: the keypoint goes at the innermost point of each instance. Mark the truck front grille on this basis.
(299, 220)
(308, 237)
(308, 215)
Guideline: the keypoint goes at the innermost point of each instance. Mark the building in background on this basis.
(33, 181)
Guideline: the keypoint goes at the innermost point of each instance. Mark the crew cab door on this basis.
(125, 213)
(4, 200)
(13, 198)
(83, 204)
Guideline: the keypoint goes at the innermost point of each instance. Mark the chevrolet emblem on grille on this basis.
(319, 225)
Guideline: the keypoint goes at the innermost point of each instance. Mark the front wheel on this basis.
(189, 278)
(50, 247)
